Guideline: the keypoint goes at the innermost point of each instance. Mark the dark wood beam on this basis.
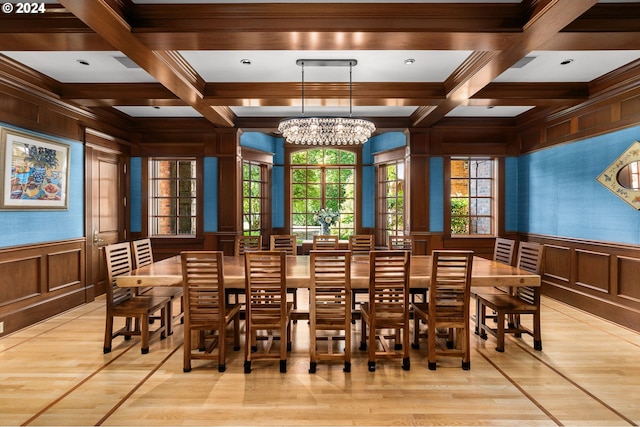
(166, 67)
(543, 24)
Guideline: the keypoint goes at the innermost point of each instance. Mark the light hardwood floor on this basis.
(54, 373)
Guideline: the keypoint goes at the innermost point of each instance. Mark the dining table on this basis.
(485, 273)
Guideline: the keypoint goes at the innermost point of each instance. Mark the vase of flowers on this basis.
(41, 159)
(326, 217)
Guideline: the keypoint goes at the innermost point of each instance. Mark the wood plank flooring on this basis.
(54, 373)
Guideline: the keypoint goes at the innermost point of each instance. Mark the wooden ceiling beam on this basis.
(166, 67)
(544, 23)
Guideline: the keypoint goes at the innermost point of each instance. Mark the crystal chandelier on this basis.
(327, 130)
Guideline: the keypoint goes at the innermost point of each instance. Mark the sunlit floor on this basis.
(54, 373)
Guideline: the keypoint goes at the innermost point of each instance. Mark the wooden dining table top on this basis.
(485, 273)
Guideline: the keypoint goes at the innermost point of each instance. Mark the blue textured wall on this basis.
(558, 193)
(511, 194)
(23, 227)
(436, 194)
(135, 205)
(210, 189)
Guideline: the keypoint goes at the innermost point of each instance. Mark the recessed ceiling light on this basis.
(82, 61)
(245, 61)
(409, 61)
(566, 62)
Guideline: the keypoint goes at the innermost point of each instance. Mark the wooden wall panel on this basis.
(630, 107)
(40, 281)
(592, 270)
(557, 262)
(64, 269)
(11, 104)
(21, 278)
(603, 279)
(628, 285)
(558, 130)
(594, 119)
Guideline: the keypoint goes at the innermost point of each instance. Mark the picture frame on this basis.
(622, 177)
(35, 171)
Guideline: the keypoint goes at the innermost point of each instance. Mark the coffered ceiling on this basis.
(234, 63)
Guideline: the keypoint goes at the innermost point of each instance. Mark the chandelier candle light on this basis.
(327, 130)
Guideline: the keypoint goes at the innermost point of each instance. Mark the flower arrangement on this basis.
(326, 217)
(41, 156)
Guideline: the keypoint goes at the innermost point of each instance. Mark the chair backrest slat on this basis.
(389, 279)
(504, 250)
(118, 259)
(246, 243)
(330, 285)
(449, 289)
(321, 241)
(361, 244)
(203, 284)
(284, 242)
(529, 259)
(401, 243)
(266, 279)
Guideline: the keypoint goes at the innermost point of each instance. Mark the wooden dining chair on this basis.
(244, 243)
(387, 308)
(122, 302)
(360, 246)
(502, 252)
(330, 306)
(405, 243)
(142, 256)
(323, 241)
(207, 314)
(289, 244)
(267, 308)
(401, 243)
(510, 306)
(448, 307)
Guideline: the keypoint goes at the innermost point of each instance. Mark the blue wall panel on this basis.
(368, 216)
(558, 193)
(210, 189)
(24, 227)
(277, 197)
(436, 194)
(135, 177)
(511, 194)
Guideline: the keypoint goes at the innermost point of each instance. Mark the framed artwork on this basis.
(35, 171)
(622, 177)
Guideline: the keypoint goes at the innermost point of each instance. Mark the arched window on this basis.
(322, 178)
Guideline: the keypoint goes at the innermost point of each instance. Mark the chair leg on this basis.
(186, 350)
(406, 360)
(236, 332)
(537, 335)
(363, 336)
(416, 331)
(500, 332)
(478, 308)
(222, 340)
(144, 333)
(108, 335)
(431, 346)
(372, 347)
(466, 359)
